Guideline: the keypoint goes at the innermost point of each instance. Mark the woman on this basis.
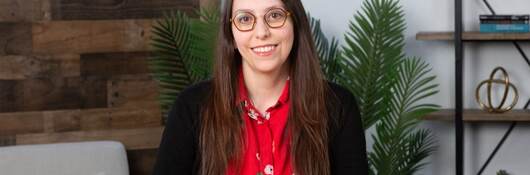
(267, 109)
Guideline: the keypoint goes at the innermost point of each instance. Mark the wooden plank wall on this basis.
(76, 70)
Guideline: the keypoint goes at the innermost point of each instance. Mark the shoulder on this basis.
(338, 89)
(341, 95)
(196, 89)
(342, 106)
(195, 93)
(189, 101)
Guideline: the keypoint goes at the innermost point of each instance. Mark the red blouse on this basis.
(267, 144)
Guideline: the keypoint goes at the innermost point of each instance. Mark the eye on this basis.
(245, 19)
(277, 14)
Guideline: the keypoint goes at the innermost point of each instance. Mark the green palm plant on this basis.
(328, 52)
(389, 86)
(182, 51)
(374, 48)
(398, 147)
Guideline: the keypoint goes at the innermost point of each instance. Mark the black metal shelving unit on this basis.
(459, 71)
(459, 94)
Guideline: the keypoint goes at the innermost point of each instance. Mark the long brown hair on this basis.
(221, 136)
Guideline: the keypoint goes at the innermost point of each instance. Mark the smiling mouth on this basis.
(265, 50)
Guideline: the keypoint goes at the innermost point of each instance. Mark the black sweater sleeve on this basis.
(176, 154)
(348, 146)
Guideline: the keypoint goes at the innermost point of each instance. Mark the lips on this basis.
(264, 50)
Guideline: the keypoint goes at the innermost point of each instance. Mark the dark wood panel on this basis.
(93, 91)
(79, 119)
(127, 90)
(141, 162)
(62, 121)
(133, 92)
(23, 123)
(24, 10)
(57, 37)
(54, 93)
(18, 67)
(15, 38)
(121, 118)
(113, 64)
(7, 87)
(117, 9)
(40, 94)
(133, 139)
(7, 140)
(59, 93)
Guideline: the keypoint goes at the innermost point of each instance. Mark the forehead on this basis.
(255, 5)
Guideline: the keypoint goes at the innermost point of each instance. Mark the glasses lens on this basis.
(244, 21)
(276, 17)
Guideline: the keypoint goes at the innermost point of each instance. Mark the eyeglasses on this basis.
(245, 21)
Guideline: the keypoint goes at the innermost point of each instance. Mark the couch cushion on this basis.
(80, 158)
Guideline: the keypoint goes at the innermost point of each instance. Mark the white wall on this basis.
(480, 59)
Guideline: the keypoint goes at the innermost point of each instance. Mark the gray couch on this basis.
(80, 158)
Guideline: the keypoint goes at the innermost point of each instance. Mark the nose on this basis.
(262, 30)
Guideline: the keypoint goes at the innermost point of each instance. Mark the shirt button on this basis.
(267, 115)
(268, 169)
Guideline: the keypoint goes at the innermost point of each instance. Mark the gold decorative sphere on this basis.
(507, 87)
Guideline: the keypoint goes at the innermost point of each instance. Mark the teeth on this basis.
(263, 49)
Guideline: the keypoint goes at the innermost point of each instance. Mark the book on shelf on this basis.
(504, 17)
(504, 28)
(504, 23)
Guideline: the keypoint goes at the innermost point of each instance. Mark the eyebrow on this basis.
(267, 9)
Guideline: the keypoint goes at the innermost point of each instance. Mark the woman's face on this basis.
(264, 48)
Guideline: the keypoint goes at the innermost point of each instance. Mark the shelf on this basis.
(473, 36)
(477, 115)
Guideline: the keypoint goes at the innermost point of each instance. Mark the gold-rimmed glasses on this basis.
(245, 21)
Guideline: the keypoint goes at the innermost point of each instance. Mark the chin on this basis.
(265, 64)
(266, 69)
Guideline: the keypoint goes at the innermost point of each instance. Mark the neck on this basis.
(264, 89)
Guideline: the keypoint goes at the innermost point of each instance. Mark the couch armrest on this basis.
(79, 158)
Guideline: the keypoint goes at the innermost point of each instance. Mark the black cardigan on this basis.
(178, 151)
